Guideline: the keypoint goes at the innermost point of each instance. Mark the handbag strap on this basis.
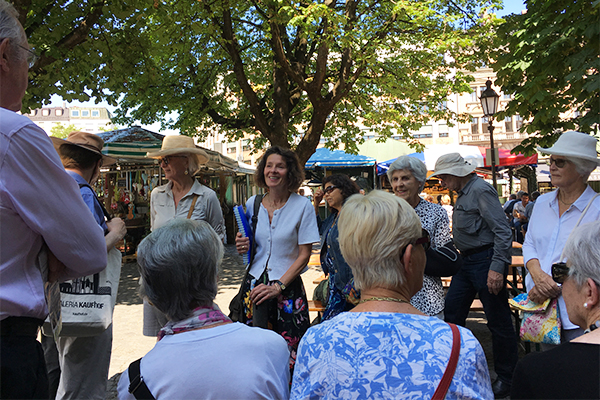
(442, 388)
(579, 220)
(137, 386)
(257, 201)
(192, 206)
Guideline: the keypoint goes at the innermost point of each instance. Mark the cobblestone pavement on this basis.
(129, 344)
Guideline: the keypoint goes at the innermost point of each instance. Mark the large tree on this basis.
(286, 72)
(550, 59)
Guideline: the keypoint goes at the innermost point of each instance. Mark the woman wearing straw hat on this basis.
(572, 158)
(182, 197)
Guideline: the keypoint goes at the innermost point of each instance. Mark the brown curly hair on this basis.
(295, 175)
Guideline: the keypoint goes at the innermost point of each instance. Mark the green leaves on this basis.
(549, 58)
(286, 72)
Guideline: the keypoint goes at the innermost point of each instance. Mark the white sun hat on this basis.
(452, 164)
(179, 144)
(572, 144)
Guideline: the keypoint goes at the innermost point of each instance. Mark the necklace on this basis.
(384, 299)
(273, 205)
(564, 202)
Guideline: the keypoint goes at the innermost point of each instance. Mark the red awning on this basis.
(508, 159)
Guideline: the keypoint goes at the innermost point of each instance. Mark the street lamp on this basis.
(489, 103)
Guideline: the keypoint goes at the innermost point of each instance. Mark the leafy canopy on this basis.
(549, 58)
(282, 71)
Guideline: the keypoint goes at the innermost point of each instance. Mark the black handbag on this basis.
(443, 261)
(236, 306)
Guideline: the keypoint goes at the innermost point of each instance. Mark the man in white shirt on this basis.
(39, 205)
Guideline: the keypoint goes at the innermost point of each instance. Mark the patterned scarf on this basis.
(200, 318)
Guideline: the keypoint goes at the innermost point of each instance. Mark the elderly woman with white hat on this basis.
(182, 197)
(572, 158)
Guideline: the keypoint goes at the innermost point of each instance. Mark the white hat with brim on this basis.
(452, 164)
(572, 144)
(85, 140)
(179, 144)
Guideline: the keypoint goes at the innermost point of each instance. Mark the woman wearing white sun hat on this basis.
(182, 197)
(572, 158)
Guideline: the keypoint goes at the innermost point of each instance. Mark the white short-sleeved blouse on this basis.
(277, 242)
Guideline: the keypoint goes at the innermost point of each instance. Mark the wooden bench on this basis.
(315, 305)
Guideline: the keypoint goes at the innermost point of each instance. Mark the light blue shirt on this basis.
(379, 355)
(548, 232)
(277, 241)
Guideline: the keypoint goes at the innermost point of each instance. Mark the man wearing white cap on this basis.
(39, 203)
(482, 234)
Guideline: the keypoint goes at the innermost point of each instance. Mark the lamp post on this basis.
(489, 103)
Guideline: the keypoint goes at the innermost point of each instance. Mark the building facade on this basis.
(87, 119)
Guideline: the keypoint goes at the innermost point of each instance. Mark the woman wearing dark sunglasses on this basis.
(342, 296)
(572, 158)
(385, 347)
(407, 175)
(571, 370)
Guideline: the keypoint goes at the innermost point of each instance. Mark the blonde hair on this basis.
(373, 231)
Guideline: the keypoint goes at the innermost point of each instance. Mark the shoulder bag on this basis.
(444, 385)
(87, 303)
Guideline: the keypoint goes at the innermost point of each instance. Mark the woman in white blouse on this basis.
(285, 231)
(182, 197)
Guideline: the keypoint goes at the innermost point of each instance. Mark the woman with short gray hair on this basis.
(179, 264)
(408, 175)
(571, 370)
(385, 347)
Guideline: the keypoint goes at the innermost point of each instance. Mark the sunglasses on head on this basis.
(167, 159)
(423, 240)
(329, 189)
(560, 163)
(560, 272)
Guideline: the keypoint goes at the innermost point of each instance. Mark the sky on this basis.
(510, 7)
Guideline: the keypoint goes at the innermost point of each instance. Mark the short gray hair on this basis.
(179, 264)
(583, 167)
(416, 167)
(10, 27)
(373, 231)
(583, 253)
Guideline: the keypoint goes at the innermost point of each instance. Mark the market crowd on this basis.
(388, 330)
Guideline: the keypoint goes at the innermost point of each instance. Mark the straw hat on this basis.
(452, 164)
(85, 140)
(572, 144)
(178, 144)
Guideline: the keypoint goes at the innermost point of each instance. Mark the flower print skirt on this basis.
(287, 314)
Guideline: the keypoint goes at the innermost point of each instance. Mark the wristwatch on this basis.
(281, 285)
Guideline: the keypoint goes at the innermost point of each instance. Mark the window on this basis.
(518, 122)
(95, 113)
(59, 112)
(508, 124)
(485, 120)
(231, 150)
(422, 135)
(506, 96)
(74, 113)
(475, 126)
(45, 112)
(443, 130)
(85, 113)
(443, 134)
(474, 98)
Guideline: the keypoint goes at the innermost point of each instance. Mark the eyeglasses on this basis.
(329, 189)
(560, 272)
(167, 159)
(423, 240)
(32, 57)
(560, 163)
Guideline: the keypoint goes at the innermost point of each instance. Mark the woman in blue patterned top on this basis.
(385, 347)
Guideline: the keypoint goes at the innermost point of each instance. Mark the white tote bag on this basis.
(87, 303)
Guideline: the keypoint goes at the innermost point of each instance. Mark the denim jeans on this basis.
(471, 280)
